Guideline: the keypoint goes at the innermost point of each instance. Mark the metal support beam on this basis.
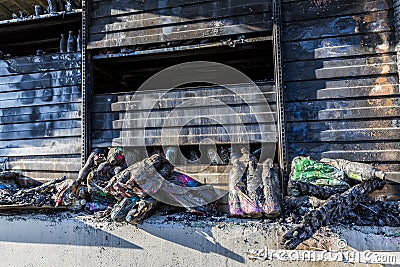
(86, 83)
(282, 150)
(396, 11)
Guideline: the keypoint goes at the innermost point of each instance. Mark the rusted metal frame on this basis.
(183, 48)
(281, 127)
(87, 81)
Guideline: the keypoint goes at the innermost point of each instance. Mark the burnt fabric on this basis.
(253, 188)
(134, 204)
(95, 158)
(155, 176)
(98, 179)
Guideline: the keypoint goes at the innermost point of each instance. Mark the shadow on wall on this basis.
(67, 230)
(42, 229)
(197, 238)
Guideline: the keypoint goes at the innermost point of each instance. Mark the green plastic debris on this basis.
(355, 170)
(310, 171)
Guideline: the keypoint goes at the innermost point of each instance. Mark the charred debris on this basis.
(320, 193)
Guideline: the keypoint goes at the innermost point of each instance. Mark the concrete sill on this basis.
(68, 239)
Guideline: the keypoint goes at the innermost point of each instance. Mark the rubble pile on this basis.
(323, 204)
(37, 196)
(337, 206)
(21, 197)
(121, 192)
(321, 193)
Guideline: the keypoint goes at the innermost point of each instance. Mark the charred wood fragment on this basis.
(46, 186)
(8, 175)
(336, 207)
(271, 189)
(322, 192)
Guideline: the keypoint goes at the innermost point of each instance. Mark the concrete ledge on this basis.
(67, 239)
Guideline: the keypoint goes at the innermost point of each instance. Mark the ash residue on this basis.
(189, 219)
(52, 215)
(370, 213)
(24, 197)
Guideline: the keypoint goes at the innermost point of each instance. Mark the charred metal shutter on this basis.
(109, 112)
(340, 73)
(40, 118)
(126, 23)
(132, 40)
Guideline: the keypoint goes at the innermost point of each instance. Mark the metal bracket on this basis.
(86, 84)
(277, 43)
(396, 15)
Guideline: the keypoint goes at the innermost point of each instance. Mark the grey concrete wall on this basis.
(65, 240)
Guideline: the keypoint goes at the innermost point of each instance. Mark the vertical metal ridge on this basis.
(86, 83)
(277, 43)
(396, 16)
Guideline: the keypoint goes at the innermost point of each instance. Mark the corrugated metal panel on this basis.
(108, 112)
(40, 114)
(119, 23)
(342, 95)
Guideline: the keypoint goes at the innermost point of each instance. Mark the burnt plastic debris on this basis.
(327, 177)
(121, 209)
(307, 170)
(79, 41)
(142, 209)
(69, 6)
(335, 191)
(51, 6)
(71, 43)
(254, 189)
(96, 206)
(63, 43)
(96, 157)
(22, 14)
(38, 10)
(355, 170)
(98, 180)
(37, 196)
(331, 211)
(64, 195)
(155, 175)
